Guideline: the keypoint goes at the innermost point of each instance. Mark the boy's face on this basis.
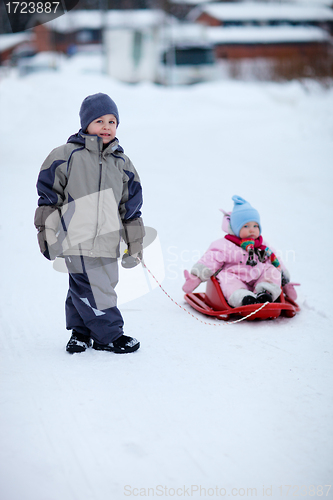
(105, 127)
(250, 230)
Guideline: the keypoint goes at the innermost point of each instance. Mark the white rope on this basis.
(195, 317)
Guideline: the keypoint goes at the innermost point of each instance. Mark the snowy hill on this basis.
(236, 410)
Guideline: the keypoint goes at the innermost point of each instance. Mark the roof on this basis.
(265, 34)
(257, 11)
(184, 34)
(138, 18)
(94, 19)
(12, 39)
(326, 3)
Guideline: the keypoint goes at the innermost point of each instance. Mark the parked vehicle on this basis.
(186, 64)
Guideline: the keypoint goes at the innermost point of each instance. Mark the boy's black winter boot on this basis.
(249, 299)
(263, 297)
(78, 343)
(122, 345)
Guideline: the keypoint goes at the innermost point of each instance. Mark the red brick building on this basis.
(9, 43)
(295, 39)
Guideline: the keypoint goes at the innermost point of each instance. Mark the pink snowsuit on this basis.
(235, 273)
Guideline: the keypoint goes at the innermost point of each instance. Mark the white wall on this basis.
(131, 56)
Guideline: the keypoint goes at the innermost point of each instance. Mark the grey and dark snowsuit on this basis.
(89, 198)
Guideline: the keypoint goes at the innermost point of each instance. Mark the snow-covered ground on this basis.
(240, 410)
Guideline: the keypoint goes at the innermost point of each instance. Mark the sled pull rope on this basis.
(195, 317)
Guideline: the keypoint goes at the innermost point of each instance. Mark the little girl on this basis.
(248, 271)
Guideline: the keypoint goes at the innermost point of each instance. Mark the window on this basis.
(189, 56)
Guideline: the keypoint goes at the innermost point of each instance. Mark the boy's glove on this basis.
(46, 221)
(128, 261)
(191, 282)
(133, 234)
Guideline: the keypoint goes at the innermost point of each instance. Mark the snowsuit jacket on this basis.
(224, 255)
(89, 197)
(227, 256)
(234, 275)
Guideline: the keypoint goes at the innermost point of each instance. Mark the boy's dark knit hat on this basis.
(97, 105)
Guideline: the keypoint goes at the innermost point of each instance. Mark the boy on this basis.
(90, 196)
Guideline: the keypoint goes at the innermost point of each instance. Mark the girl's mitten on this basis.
(191, 282)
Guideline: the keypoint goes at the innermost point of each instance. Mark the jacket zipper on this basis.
(99, 191)
(100, 171)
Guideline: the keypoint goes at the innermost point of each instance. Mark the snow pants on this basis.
(91, 303)
(255, 279)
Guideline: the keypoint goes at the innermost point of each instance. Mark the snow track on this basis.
(244, 406)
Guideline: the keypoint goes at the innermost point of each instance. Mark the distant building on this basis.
(76, 29)
(139, 45)
(13, 43)
(277, 40)
(153, 46)
(231, 14)
(294, 38)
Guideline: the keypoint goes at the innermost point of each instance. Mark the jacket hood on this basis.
(226, 222)
(80, 138)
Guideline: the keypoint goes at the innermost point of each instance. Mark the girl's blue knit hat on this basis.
(97, 105)
(242, 213)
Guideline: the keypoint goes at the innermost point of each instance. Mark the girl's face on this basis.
(250, 230)
(105, 127)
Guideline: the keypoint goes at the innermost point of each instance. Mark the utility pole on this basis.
(103, 8)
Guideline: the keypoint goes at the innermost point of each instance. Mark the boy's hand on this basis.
(128, 261)
(191, 282)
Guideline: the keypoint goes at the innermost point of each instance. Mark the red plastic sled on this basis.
(213, 303)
